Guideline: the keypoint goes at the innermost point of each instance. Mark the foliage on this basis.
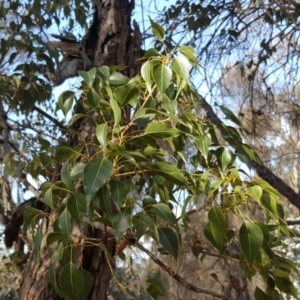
(130, 184)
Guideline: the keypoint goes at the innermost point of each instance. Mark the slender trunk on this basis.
(110, 41)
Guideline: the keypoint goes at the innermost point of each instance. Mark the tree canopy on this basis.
(147, 152)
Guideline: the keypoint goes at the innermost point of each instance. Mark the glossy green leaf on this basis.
(101, 134)
(217, 217)
(64, 223)
(162, 76)
(158, 286)
(224, 157)
(52, 278)
(170, 172)
(88, 284)
(127, 93)
(255, 192)
(163, 211)
(58, 252)
(261, 295)
(251, 240)
(55, 236)
(215, 236)
(117, 78)
(146, 74)
(65, 176)
(93, 98)
(157, 30)
(77, 171)
(169, 240)
(95, 175)
(161, 130)
(65, 101)
(203, 144)
(116, 110)
(285, 285)
(31, 217)
(89, 76)
(189, 53)
(49, 197)
(181, 65)
(119, 191)
(76, 206)
(71, 281)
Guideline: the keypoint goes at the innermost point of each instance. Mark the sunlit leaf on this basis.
(95, 175)
(251, 239)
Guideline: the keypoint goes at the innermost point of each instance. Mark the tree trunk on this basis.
(110, 41)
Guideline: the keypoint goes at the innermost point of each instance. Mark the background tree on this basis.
(135, 148)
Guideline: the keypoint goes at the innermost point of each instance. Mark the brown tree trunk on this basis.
(110, 41)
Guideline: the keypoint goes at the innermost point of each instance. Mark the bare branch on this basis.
(177, 277)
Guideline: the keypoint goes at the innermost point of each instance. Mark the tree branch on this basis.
(52, 119)
(177, 277)
(264, 172)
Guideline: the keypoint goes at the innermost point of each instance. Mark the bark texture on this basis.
(110, 41)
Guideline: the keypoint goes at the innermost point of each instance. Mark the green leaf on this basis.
(150, 53)
(169, 240)
(230, 115)
(76, 206)
(141, 223)
(170, 172)
(52, 278)
(55, 236)
(77, 171)
(203, 144)
(88, 284)
(160, 130)
(215, 236)
(64, 223)
(189, 53)
(104, 73)
(95, 175)
(48, 197)
(65, 101)
(117, 78)
(71, 281)
(93, 98)
(37, 241)
(146, 74)
(157, 284)
(65, 153)
(101, 134)
(163, 211)
(162, 76)
(65, 176)
(255, 192)
(31, 217)
(116, 110)
(224, 157)
(157, 30)
(261, 295)
(181, 65)
(127, 93)
(89, 76)
(58, 252)
(251, 240)
(217, 217)
(119, 191)
(285, 285)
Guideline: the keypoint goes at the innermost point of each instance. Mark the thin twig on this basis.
(177, 277)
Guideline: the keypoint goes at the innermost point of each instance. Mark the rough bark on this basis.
(110, 41)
